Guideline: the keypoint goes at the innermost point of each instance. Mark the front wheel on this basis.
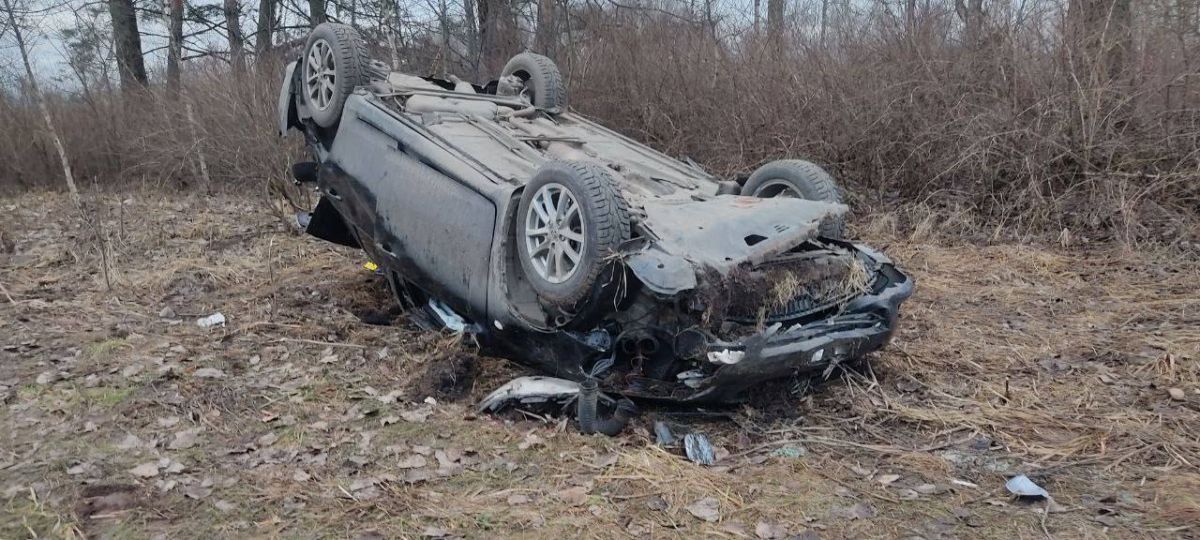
(798, 179)
(572, 219)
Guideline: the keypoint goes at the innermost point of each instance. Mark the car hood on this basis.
(720, 234)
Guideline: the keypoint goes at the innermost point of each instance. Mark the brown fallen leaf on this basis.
(101, 500)
(531, 440)
(735, 528)
(573, 496)
(412, 462)
(770, 530)
(185, 439)
(860, 510)
(707, 509)
(145, 470)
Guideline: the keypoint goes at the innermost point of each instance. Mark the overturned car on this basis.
(572, 248)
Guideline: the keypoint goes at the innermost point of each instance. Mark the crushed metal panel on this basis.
(725, 231)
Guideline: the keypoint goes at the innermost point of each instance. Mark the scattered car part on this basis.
(1021, 486)
(662, 434)
(533, 390)
(697, 449)
(216, 319)
(586, 411)
(447, 316)
(435, 180)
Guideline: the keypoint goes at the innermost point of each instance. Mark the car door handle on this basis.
(333, 194)
(386, 248)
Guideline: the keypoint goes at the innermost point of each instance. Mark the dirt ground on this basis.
(121, 417)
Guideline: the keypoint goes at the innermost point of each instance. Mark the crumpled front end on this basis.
(736, 291)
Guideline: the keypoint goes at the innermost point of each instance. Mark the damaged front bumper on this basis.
(865, 325)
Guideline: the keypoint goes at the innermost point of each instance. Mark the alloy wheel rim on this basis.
(555, 234)
(320, 75)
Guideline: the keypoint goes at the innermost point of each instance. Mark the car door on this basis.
(436, 229)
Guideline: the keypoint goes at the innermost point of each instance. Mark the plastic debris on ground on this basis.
(1022, 486)
(691, 378)
(698, 449)
(663, 435)
(216, 319)
(448, 316)
(726, 357)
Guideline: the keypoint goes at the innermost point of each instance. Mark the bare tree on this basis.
(972, 15)
(547, 28)
(265, 32)
(469, 22)
(775, 25)
(174, 45)
(10, 10)
(1100, 37)
(316, 12)
(233, 31)
(128, 42)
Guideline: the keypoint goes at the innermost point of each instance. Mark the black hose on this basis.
(589, 392)
(625, 412)
(585, 408)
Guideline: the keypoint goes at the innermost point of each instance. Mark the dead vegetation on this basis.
(122, 417)
(1069, 118)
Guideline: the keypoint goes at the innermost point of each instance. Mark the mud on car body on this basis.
(572, 248)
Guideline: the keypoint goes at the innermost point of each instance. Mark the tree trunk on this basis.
(394, 31)
(775, 26)
(316, 12)
(499, 35)
(1100, 37)
(470, 22)
(128, 44)
(265, 33)
(174, 45)
(972, 16)
(824, 20)
(757, 17)
(237, 43)
(547, 29)
(41, 101)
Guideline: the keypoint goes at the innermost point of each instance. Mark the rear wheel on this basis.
(335, 62)
(572, 218)
(798, 179)
(539, 80)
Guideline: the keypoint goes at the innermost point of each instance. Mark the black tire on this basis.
(543, 82)
(351, 66)
(805, 179)
(605, 218)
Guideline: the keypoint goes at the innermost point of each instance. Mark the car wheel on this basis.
(335, 61)
(798, 179)
(540, 80)
(572, 218)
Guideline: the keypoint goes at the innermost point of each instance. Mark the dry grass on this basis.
(1011, 358)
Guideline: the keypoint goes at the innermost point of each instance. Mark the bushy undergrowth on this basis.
(1014, 127)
